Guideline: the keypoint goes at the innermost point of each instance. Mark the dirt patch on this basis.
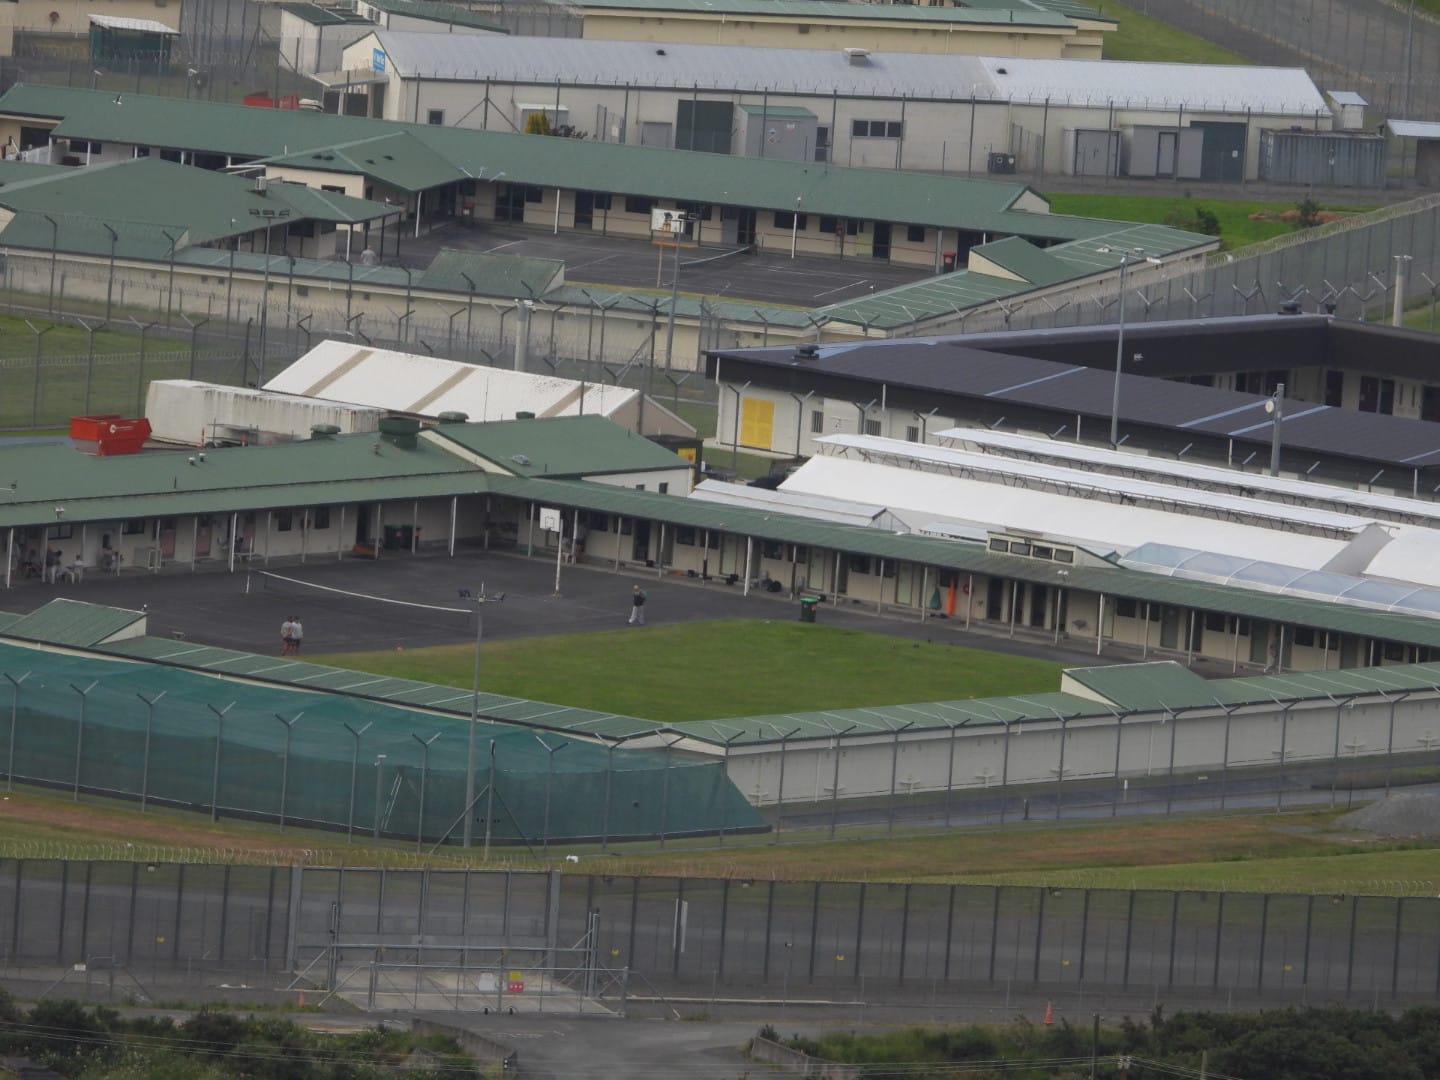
(1292, 217)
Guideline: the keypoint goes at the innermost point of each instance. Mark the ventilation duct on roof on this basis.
(857, 56)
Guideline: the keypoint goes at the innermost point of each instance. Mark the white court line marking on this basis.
(841, 288)
(500, 247)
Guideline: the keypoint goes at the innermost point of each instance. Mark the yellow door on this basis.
(757, 422)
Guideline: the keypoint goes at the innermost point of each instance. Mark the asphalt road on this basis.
(244, 611)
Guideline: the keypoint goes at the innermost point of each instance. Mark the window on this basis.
(1393, 650)
(817, 422)
(771, 549)
(601, 200)
(829, 224)
(534, 194)
(800, 554)
(1124, 608)
(875, 129)
(627, 526)
(784, 219)
(915, 234)
(859, 564)
(62, 532)
(664, 487)
(320, 518)
(284, 519)
(81, 146)
(133, 527)
(685, 535)
(1216, 621)
(1064, 555)
(436, 117)
(1043, 552)
(998, 545)
(872, 427)
(638, 204)
(1304, 635)
(1019, 547)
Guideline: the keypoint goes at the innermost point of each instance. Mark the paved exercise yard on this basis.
(215, 608)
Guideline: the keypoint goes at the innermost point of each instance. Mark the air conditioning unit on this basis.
(1001, 163)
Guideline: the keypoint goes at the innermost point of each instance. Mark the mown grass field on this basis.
(1238, 227)
(1141, 37)
(710, 670)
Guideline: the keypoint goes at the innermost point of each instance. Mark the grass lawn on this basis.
(1293, 853)
(750, 667)
(1237, 229)
(1141, 37)
(118, 383)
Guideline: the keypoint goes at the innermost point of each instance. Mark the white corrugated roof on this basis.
(577, 61)
(116, 22)
(1346, 97)
(838, 511)
(1087, 483)
(1193, 474)
(1099, 526)
(800, 72)
(1415, 129)
(430, 385)
(1137, 85)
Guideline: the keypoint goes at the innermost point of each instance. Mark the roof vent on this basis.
(324, 431)
(451, 416)
(1001, 71)
(857, 56)
(808, 351)
(1289, 307)
(524, 415)
(261, 183)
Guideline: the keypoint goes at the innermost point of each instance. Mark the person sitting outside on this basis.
(74, 570)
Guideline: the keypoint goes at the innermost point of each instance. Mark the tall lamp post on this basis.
(1126, 256)
(480, 599)
(1275, 407)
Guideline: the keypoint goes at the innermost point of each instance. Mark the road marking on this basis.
(499, 247)
(840, 288)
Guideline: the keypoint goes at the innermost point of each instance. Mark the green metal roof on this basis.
(71, 622)
(493, 275)
(436, 12)
(561, 446)
(973, 558)
(1080, 256)
(1023, 259)
(833, 723)
(817, 10)
(316, 15)
(192, 205)
(1072, 8)
(430, 155)
(318, 677)
(345, 468)
(1137, 687)
(396, 158)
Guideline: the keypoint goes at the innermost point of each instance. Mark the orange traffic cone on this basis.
(1049, 1014)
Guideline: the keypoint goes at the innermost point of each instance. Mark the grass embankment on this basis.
(1141, 37)
(1292, 853)
(1242, 221)
(706, 671)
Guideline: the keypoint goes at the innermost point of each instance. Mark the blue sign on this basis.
(378, 60)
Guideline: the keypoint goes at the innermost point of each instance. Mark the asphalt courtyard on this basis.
(715, 271)
(244, 610)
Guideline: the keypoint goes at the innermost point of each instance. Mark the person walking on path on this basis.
(297, 635)
(637, 606)
(287, 636)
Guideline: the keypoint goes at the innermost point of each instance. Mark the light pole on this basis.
(354, 771)
(1126, 256)
(15, 708)
(795, 227)
(680, 219)
(1275, 407)
(424, 772)
(481, 599)
(379, 781)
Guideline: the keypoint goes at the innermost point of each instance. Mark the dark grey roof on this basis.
(956, 368)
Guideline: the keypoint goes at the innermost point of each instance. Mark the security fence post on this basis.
(14, 710)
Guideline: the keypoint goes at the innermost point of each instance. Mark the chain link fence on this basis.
(1384, 50)
(444, 940)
